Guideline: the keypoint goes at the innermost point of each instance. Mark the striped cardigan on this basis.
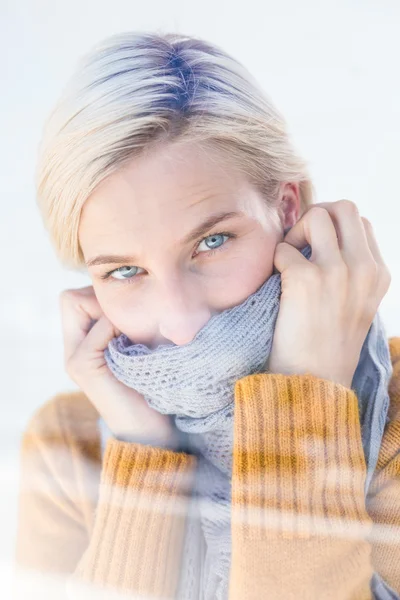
(301, 528)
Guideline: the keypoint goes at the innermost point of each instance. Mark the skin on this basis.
(167, 290)
(328, 303)
(144, 211)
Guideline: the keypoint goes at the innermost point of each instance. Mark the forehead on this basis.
(162, 191)
(166, 181)
(184, 173)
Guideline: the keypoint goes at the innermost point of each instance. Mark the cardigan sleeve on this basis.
(383, 502)
(139, 499)
(300, 525)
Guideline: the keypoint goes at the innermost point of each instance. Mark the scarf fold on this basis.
(195, 384)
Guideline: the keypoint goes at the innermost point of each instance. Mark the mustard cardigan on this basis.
(301, 527)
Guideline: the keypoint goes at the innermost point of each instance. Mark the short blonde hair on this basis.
(136, 89)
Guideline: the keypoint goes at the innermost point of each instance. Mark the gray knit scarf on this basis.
(195, 384)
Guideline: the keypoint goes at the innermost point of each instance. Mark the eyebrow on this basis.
(199, 231)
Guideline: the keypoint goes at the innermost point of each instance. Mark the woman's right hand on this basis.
(86, 332)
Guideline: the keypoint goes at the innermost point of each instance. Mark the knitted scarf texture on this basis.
(195, 384)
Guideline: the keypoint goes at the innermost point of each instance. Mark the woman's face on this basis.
(162, 256)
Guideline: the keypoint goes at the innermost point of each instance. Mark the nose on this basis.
(183, 313)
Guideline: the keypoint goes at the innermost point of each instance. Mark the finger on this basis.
(78, 310)
(98, 337)
(372, 243)
(350, 230)
(315, 227)
(287, 256)
(384, 275)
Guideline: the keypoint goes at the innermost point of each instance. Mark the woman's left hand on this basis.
(328, 303)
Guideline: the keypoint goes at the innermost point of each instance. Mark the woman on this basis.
(232, 435)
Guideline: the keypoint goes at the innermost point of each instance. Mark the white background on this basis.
(331, 67)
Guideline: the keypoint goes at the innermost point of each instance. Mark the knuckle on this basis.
(66, 296)
(387, 273)
(367, 270)
(317, 210)
(348, 205)
(385, 277)
(280, 247)
(77, 293)
(318, 215)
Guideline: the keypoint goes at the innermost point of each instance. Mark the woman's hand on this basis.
(328, 303)
(87, 332)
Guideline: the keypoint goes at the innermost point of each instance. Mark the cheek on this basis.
(125, 310)
(245, 274)
(253, 275)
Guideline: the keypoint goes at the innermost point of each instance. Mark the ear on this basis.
(289, 205)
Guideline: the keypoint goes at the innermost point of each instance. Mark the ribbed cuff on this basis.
(140, 519)
(148, 468)
(299, 467)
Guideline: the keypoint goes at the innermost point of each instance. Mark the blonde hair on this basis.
(137, 89)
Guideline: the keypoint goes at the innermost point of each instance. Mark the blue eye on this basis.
(129, 273)
(216, 241)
